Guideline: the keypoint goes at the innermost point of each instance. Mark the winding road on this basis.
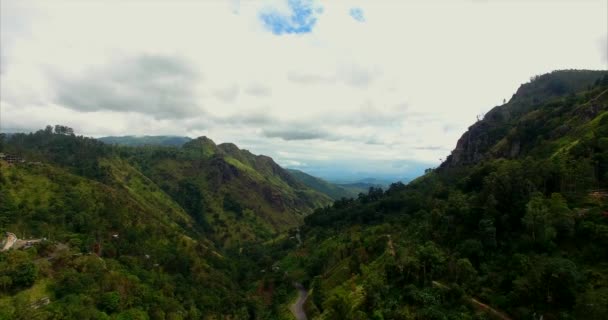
(297, 308)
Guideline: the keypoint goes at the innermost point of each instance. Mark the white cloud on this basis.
(228, 94)
(401, 86)
(159, 86)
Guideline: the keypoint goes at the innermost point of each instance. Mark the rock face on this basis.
(491, 137)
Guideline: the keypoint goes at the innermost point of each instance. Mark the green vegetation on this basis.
(513, 225)
(489, 235)
(138, 232)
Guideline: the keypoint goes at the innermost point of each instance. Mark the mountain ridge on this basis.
(481, 136)
(213, 231)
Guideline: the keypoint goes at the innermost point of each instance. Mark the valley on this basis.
(512, 225)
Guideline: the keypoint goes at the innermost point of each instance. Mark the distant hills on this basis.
(334, 191)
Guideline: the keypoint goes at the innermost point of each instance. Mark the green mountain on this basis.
(333, 191)
(146, 140)
(512, 226)
(134, 232)
(241, 196)
(114, 242)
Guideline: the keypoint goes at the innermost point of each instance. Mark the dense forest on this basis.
(513, 225)
(139, 232)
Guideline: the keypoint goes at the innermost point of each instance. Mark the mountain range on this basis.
(512, 225)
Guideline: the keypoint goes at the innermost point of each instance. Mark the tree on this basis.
(464, 271)
(431, 258)
(537, 220)
(487, 231)
(24, 275)
(64, 130)
(110, 301)
(561, 216)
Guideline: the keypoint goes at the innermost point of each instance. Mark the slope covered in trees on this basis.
(229, 192)
(513, 225)
(138, 232)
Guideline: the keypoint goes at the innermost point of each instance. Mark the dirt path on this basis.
(487, 308)
(10, 241)
(297, 308)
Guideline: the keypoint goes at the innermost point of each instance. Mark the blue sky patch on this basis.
(301, 18)
(357, 14)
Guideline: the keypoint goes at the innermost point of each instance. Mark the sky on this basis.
(339, 89)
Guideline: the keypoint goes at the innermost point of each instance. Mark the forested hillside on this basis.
(137, 232)
(514, 225)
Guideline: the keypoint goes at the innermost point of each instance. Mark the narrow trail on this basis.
(297, 308)
(487, 308)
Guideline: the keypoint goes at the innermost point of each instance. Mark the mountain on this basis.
(146, 140)
(138, 232)
(230, 192)
(511, 226)
(494, 135)
(112, 242)
(240, 195)
(333, 191)
(339, 189)
(374, 182)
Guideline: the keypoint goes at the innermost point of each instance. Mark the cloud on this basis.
(247, 119)
(369, 114)
(235, 6)
(258, 90)
(160, 86)
(309, 78)
(228, 94)
(355, 76)
(300, 17)
(3, 63)
(357, 14)
(296, 134)
(431, 148)
(603, 47)
(351, 75)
